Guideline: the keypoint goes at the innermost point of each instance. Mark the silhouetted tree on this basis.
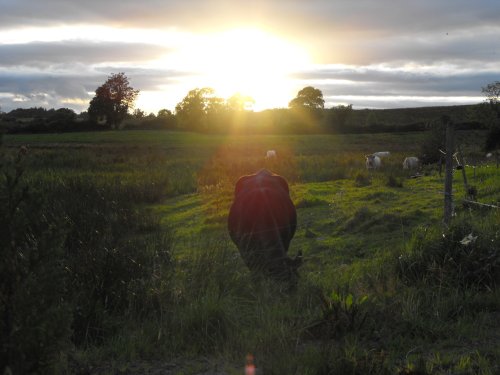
(434, 141)
(61, 115)
(308, 97)
(339, 116)
(163, 113)
(194, 110)
(239, 102)
(307, 109)
(492, 92)
(112, 100)
(138, 114)
(166, 119)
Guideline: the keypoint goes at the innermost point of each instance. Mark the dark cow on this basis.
(262, 221)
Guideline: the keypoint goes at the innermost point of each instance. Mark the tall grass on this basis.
(128, 284)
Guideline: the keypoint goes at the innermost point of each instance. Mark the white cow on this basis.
(270, 154)
(382, 154)
(373, 161)
(411, 162)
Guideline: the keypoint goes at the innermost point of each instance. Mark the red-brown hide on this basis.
(262, 221)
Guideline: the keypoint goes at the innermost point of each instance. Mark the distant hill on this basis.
(459, 114)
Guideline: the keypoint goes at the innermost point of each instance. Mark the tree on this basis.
(308, 97)
(492, 92)
(166, 119)
(193, 111)
(307, 109)
(238, 103)
(138, 113)
(164, 113)
(339, 116)
(112, 100)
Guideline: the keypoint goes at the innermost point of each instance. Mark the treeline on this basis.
(339, 119)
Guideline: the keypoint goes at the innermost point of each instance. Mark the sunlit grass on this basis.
(353, 226)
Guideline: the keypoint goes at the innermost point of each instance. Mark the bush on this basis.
(466, 255)
(493, 138)
(112, 252)
(434, 142)
(80, 259)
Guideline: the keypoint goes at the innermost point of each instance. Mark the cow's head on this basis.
(369, 160)
(372, 161)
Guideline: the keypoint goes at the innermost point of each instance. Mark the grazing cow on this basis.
(382, 154)
(411, 162)
(270, 154)
(262, 221)
(373, 162)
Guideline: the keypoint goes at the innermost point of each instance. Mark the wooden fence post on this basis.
(464, 174)
(448, 181)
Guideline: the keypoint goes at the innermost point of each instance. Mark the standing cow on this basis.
(382, 154)
(271, 154)
(262, 221)
(373, 162)
(411, 162)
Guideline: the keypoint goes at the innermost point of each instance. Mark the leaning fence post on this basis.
(448, 181)
(462, 163)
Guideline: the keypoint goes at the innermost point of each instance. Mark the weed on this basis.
(394, 182)
(361, 216)
(310, 201)
(465, 255)
(362, 179)
(340, 314)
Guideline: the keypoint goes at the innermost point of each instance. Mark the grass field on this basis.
(154, 278)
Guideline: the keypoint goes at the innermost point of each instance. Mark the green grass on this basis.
(355, 310)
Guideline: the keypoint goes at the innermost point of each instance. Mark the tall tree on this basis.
(492, 92)
(112, 100)
(238, 102)
(308, 97)
(193, 111)
(340, 116)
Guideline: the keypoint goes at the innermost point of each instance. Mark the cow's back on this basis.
(262, 220)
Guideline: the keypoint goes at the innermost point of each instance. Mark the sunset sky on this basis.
(371, 54)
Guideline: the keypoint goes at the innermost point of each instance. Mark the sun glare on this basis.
(246, 61)
(250, 61)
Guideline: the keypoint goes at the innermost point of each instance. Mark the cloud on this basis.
(31, 89)
(44, 54)
(382, 16)
(370, 53)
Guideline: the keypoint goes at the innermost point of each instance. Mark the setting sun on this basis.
(247, 61)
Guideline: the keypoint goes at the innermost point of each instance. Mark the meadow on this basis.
(119, 260)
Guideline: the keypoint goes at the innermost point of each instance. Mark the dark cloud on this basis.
(370, 81)
(25, 89)
(478, 44)
(43, 54)
(367, 16)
